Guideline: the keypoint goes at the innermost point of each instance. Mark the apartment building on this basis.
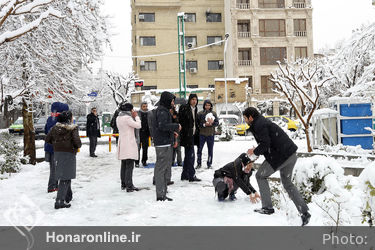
(154, 31)
(262, 33)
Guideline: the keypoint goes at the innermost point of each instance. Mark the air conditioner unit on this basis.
(193, 70)
(221, 62)
(141, 17)
(142, 63)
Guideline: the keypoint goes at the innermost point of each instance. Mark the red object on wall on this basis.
(139, 83)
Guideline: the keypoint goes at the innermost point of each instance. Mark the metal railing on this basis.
(244, 34)
(299, 5)
(244, 63)
(300, 33)
(243, 6)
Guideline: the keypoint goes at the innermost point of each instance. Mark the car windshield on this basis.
(82, 119)
(18, 122)
(42, 120)
(230, 121)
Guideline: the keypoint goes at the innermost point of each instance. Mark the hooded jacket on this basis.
(185, 117)
(234, 171)
(64, 138)
(273, 142)
(163, 126)
(203, 130)
(56, 109)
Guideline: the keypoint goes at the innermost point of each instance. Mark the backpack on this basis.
(151, 120)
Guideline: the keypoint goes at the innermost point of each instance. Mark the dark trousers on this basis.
(144, 146)
(126, 174)
(188, 171)
(93, 143)
(65, 191)
(52, 182)
(210, 145)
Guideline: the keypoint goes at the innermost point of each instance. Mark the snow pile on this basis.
(344, 150)
(210, 116)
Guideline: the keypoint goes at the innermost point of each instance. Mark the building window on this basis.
(271, 4)
(191, 41)
(190, 17)
(299, 27)
(244, 54)
(272, 27)
(249, 83)
(270, 56)
(267, 85)
(191, 65)
(214, 39)
(215, 64)
(148, 65)
(146, 17)
(192, 86)
(211, 86)
(300, 52)
(147, 41)
(148, 87)
(243, 26)
(213, 17)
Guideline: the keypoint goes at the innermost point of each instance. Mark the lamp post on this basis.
(225, 73)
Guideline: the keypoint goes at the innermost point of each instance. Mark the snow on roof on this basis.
(236, 80)
(339, 99)
(325, 111)
(188, 90)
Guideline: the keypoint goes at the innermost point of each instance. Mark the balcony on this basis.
(299, 5)
(244, 34)
(244, 63)
(243, 6)
(300, 33)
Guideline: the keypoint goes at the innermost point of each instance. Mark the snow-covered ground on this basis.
(99, 200)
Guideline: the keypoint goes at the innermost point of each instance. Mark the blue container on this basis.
(365, 142)
(355, 126)
(354, 110)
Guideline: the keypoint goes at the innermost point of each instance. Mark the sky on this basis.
(333, 21)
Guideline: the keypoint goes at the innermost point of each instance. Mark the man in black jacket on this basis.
(144, 132)
(93, 130)
(163, 134)
(233, 175)
(280, 153)
(188, 118)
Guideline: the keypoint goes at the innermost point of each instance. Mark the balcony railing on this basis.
(243, 6)
(299, 5)
(244, 63)
(243, 34)
(300, 33)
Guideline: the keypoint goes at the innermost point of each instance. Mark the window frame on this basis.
(267, 61)
(147, 68)
(263, 32)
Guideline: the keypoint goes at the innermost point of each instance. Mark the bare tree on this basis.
(121, 86)
(301, 83)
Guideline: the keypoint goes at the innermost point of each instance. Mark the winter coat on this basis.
(113, 122)
(144, 132)
(127, 144)
(66, 142)
(163, 126)
(234, 170)
(56, 108)
(92, 126)
(210, 130)
(273, 142)
(185, 116)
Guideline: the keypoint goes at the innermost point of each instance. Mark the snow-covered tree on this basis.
(43, 62)
(121, 86)
(301, 83)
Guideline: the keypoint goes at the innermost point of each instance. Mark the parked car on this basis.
(231, 120)
(81, 122)
(292, 125)
(242, 129)
(16, 127)
(39, 127)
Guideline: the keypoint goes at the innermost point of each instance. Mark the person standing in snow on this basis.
(127, 150)
(176, 146)
(207, 123)
(280, 155)
(114, 125)
(164, 130)
(56, 109)
(144, 133)
(233, 175)
(188, 118)
(65, 140)
(93, 130)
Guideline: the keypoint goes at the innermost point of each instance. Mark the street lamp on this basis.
(225, 73)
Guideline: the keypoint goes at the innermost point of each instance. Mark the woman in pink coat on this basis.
(127, 150)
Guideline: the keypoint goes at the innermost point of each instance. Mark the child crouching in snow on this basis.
(233, 175)
(65, 140)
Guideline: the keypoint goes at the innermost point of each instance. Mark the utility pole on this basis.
(181, 54)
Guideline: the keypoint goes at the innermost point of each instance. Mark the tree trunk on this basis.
(309, 149)
(29, 133)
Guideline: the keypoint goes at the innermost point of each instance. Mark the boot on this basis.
(194, 179)
(170, 183)
(61, 204)
(198, 166)
(164, 199)
(265, 210)
(132, 189)
(232, 197)
(305, 218)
